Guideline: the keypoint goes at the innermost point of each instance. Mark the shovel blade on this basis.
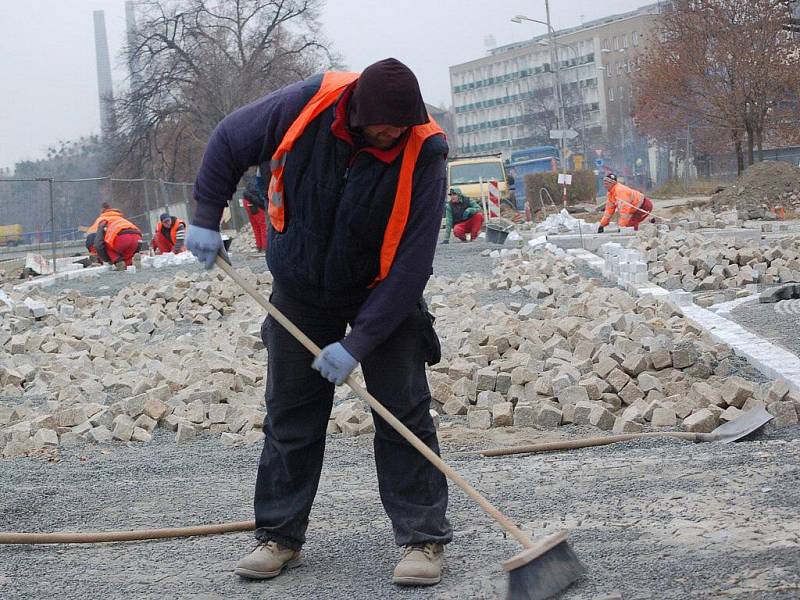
(745, 424)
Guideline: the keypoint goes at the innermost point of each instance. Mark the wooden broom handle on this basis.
(393, 421)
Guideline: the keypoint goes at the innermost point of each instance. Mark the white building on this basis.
(497, 98)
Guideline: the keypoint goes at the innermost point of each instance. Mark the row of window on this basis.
(634, 64)
(469, 148)
(584, 83)
(620, 42)
(516, 120)
(545, 68)
(478, 148)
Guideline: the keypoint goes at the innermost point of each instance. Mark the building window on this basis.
(635, 38)
(616, 43)
(619, 66)
(605, 44)
(625, 41)
(611, 94)
(620, 93)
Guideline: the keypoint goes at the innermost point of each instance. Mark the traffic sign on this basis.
(598, 162)
(567, 134)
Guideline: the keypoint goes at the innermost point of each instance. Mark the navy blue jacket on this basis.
(339, 195)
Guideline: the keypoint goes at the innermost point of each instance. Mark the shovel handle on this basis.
(393, 421)
(587, 442)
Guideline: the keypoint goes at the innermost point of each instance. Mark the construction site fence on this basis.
(48, 217)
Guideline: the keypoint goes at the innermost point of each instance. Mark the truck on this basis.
(537, 159)
(466, 174)
(10, 235)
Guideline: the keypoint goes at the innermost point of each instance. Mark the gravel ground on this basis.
(771, 323)
(650, 519)
(656, 518)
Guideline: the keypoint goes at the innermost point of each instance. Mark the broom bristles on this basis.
(546, 575)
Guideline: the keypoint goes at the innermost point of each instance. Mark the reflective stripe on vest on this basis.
(104, 216)
(332, 85)
(629, 198)
(402, 198)
(115, 226)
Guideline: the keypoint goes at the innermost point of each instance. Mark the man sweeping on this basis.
(355, 204)
(633, 206)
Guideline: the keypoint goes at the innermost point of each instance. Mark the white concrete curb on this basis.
(66, 275)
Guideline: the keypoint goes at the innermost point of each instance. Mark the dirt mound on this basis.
(761, 188)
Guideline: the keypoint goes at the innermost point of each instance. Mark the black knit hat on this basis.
(387, 93)
(164, 217)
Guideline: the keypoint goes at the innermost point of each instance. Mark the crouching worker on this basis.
(170, 235)
(463, 216)
(355, 206)
(633, 206)
(115, 241)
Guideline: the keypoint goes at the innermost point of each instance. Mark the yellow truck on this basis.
(10, 235)
(466, 174)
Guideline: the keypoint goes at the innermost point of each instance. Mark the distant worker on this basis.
(115, 241)
(170, 234)
(254, 204)
(463, 216)
(633, 206)
(105, 211)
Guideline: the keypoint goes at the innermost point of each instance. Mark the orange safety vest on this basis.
(116, 225)
(111, 212)
(629, 200)
(173, 231)
(333, 83)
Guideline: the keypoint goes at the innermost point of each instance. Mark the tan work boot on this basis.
(421, 565)
(267, 561)
(120, 265)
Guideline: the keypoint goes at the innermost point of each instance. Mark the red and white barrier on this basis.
(494, 199)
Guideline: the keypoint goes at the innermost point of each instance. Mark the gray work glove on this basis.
(335, 363)
(204, 243)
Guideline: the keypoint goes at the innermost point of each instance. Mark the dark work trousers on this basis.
(299, 402)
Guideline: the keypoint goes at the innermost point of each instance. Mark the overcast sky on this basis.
(48, 73)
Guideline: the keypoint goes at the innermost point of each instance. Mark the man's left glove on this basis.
(335, 363)
(204, 244)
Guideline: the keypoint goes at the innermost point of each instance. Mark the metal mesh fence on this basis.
(48, 218)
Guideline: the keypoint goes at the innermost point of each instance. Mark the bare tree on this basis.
(194, 61)
(721, 66)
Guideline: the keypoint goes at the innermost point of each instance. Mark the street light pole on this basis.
(554, 59)
(557, 82)
(580, 94)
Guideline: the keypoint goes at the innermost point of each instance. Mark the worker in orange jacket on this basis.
(115, 241)
(170, 234)
(633, 206)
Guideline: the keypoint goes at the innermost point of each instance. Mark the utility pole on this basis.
(560, 120)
